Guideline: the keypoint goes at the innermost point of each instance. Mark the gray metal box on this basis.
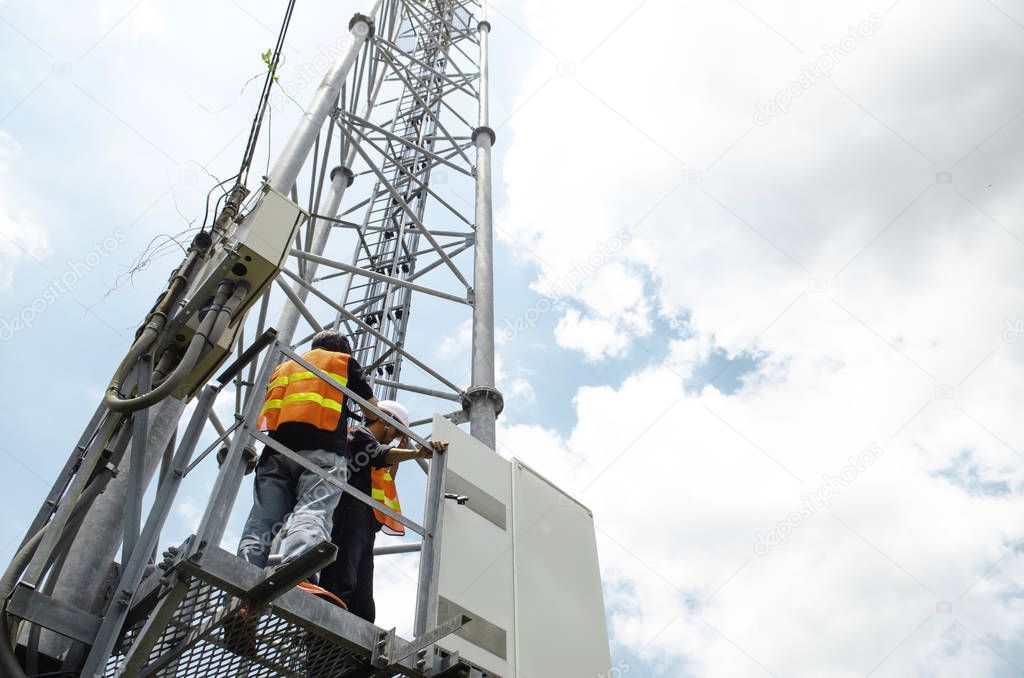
(254, 253)
(521, 559)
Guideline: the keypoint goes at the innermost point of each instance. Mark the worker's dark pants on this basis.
(350, 577)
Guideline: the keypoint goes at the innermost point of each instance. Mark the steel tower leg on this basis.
(84, 577)
(289, 163)
(485, 401)
(288, 321)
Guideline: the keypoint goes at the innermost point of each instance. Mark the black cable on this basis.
(268, 84)
(216, 210)
(206, 214)
(270, 115)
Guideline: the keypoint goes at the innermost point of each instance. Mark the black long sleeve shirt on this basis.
(363, 453)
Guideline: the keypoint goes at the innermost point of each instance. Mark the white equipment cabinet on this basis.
(520, 558)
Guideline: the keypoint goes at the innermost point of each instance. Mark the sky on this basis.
(759, 301)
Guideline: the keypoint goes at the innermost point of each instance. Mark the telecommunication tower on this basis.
(393, 159)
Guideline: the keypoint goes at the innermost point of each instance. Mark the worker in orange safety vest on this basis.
(309, 416)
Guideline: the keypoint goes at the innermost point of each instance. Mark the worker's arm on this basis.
(360, 385)
(400, 454)
(367, 414)
(397, 455)
(405, 444)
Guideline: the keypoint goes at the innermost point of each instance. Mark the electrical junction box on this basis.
(520, 558)
(254, 252)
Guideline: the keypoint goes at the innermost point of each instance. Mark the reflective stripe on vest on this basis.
(385, 491)
(299, 376)
(297, 395)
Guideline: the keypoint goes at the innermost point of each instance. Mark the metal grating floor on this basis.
(196, 631)
(282, 648)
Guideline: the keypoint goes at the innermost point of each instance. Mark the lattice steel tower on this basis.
(393, 160)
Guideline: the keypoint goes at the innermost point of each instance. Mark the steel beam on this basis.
(366, 328)
(398, 282)
(38, 608)
(394, 549)
(412, 388)
(430, 558)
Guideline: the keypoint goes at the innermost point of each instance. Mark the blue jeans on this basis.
(282, 487)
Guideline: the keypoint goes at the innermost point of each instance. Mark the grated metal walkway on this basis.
(297, 635)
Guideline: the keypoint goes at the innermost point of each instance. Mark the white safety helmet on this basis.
(396, 410)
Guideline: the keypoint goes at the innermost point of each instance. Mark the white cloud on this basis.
(147, 23)
(21, 234)
(515, 384)
(395, 592)
(597, 338)
(681, 486)
(190, 511)
(457, 343)
(828, 243)
(519, 390)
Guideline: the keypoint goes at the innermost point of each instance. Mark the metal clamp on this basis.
(484, 392)
(350, 176)
(357, 19)
(383, 649)
(386, 657)
(432, 636)
(484, 129)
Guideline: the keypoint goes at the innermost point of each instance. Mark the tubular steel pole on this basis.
(484, 399)
(136, 465)
(289, 163)
(84, 577)
(289, 318)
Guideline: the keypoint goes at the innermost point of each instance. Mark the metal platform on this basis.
(188, 627)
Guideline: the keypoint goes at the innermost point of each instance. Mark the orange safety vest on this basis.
(296, 394)
(385, 492)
